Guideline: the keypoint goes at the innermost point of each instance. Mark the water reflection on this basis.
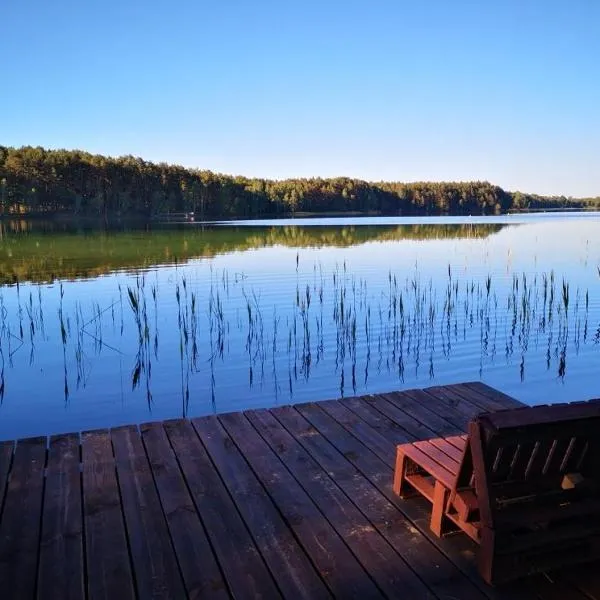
(41, 251)
(408, 325)
(288, 324)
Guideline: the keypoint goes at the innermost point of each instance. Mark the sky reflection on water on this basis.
(256, 324)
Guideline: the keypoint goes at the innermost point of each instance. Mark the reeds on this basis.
(349, 325)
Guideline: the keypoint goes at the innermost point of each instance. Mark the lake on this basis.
(100, 328)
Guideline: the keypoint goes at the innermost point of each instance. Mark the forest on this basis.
(36, 181)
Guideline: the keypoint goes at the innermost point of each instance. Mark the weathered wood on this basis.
(339, 568)
(580, 415)
(451, 407)
(201, 573)
(418, 429)
(109, 574)
(376, 556)
(419, 408)
(154, 565)
(20, 526)
(425, 560)
(289, 565)
(432, 466)
(450, 446)
(374, 412)
(378, 443)
(6, 456)
(446, 401)
(493, 507)
(238, 556)
(445, 461)
(299, 503)
(492, 398)
(61, 569)
(354, 446)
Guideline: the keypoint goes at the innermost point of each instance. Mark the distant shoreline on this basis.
(36, 181)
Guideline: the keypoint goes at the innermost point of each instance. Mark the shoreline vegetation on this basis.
(35, 181)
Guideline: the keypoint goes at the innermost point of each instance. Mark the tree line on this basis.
(34, 180)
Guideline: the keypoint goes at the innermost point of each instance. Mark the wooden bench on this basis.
(524, 484)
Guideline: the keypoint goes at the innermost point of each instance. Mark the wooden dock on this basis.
(291, 502)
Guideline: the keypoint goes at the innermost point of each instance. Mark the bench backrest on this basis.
(543, 456)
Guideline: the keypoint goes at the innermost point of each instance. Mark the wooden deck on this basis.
(292, 502)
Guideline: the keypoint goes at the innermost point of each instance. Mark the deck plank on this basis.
(578, 581)
(340, 570)
(292, 502)
(21, 517)
(240, 560)
(6, 456)
(62, 524)
(381, 440)
(425, 560)
(354, 445)
(289, 565)
(382, 414)
(496, 399)
(155, 567)
(472, 403)
(201, 573)
(369, 412)
(423, 409)
(376, 555)
(454, 410)
(109, 573)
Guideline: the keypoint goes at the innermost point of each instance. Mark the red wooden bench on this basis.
(524, 484)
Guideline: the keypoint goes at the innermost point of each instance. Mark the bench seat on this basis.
(524, 484)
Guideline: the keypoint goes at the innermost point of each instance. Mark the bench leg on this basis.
(438, 510)
(487, 568)
(401, 485)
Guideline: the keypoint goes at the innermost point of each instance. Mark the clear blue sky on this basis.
(503, 90)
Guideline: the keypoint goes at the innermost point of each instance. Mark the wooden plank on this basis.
(385, 416)
(438, 573)
(154, 564)
(201, 574)
(420, 409)
(450, 397)
(455, 410)
(447, 396)
(341, 571)
(578, 414)
(484, 398)
(447, 462)
(432, 466)
(352, 444)
(289, 565)
(109, 574)
(419, 429)
(245, 571)
(379, 440)
(6, 456)
(493, 398)
(20, 526)
(377, 557)
(450, 400)
(448, 448)
(505, 457)
(61, 570)
(369, 412)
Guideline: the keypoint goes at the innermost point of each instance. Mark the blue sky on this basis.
(506, 91)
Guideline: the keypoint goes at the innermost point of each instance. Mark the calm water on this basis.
(104, 328)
